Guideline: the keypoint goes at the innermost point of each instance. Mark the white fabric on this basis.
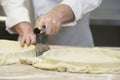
(16, 11)
(79, 35)
(81, 7)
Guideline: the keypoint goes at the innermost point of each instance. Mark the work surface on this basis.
(27, 72)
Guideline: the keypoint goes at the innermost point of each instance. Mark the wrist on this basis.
(23, 28)
(67, 14)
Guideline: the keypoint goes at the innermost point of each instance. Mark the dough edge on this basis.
(42, 63)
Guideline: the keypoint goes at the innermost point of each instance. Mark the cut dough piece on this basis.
(11, 51)
(82, 60)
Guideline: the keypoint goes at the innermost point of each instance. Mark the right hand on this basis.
(55, 18)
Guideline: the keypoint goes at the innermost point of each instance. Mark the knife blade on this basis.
(41, 41)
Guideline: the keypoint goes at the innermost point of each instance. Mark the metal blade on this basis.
(41, 41)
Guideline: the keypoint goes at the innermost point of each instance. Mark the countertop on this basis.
(27, 72)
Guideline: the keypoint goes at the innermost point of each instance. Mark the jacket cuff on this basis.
(12, 21)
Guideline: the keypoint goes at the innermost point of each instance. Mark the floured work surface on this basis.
(27, 72)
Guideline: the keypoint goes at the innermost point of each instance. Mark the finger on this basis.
(48, 28)
(33, 40)
(28, 41)
(53, 29)
(23, 42)
(40, 23)
(57, 28)
(37, 25)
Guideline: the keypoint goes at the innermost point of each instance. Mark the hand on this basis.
(25, 30)
(55, 18)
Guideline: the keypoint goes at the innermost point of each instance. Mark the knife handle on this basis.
(37, 31)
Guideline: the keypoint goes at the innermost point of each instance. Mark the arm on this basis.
(18, 20)
(81, 7)
(68, 11)
(53, 19)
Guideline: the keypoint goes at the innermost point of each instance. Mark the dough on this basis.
(82, 60)
(11, 51)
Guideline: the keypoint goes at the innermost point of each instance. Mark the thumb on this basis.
(40, 23)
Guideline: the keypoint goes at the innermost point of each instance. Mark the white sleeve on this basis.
(15, 12)
(81, 7)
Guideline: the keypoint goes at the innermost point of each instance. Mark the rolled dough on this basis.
(82, 60)
(11, 51)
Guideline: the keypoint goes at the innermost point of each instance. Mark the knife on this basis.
(41, 41)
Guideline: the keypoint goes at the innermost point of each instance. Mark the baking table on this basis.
(27, 72)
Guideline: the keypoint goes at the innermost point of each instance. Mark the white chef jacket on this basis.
(79, 35)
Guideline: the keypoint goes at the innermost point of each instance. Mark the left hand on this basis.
(54, 19)
(24, 29)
